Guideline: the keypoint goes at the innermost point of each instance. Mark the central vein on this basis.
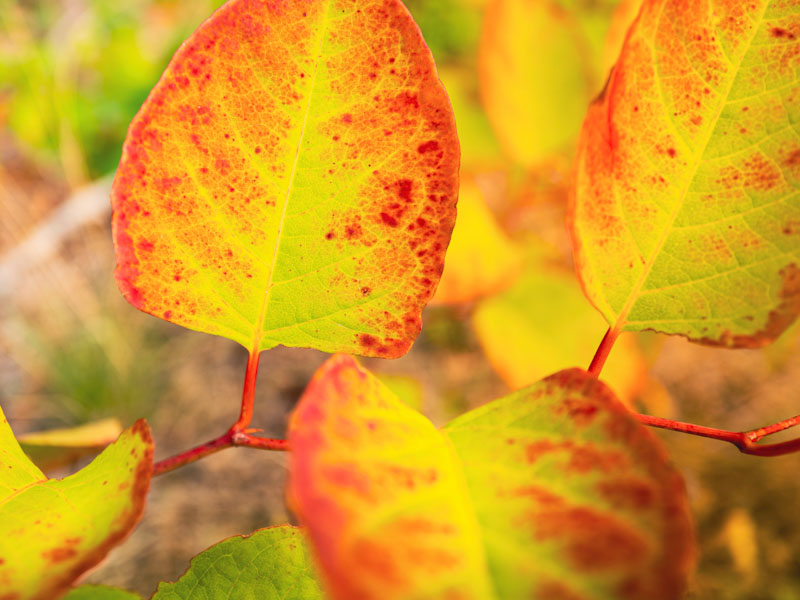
(695, 164)
(262, 312)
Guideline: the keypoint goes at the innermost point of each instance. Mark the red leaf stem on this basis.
(248, 393)
(603, 350)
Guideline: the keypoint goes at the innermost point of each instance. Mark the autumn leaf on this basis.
(685, 215)
(52, 531)
(367, 475)
(481, 259)
(540, 64)
(270, 564)
(59, 447)
(291, 179)
(552, 492)
(543, 324)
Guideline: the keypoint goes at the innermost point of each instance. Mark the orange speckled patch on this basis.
(291, 179)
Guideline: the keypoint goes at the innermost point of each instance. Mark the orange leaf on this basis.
(291, 179)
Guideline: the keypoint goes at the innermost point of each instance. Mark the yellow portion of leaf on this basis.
(686, 211)
(94, 434)
(539, 65)
(58, 447)
(51, 531)
(543, 324)
(369, 478)
(481, 260)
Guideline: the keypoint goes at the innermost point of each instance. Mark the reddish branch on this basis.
(746, 441)
(237, 435)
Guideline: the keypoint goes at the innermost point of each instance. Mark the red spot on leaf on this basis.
(430, 146)
(388, 219)
(780, 32)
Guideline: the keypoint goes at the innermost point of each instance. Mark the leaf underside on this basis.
(291, 179)
(52, 531)
(686, 209)
(552, 492)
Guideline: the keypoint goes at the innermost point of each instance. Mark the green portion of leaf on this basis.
(407, 388)
(51, 531)
(18, 471)
(270, 564)
(686, 210)
(100, 592)
(574, 498)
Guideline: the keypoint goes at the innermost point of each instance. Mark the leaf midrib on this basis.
(258, 332)
(698, 154)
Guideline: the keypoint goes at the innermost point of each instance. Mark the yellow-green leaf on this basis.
(481, 260)
(686, 210)
(291, 179)
(576, 499)
(543, 324)
(539, 65)
(269, 564)
(51, 530)
(555, 491)
(58, 447)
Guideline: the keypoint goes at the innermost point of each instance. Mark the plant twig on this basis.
(746, 441)
(238, 435)
(228, 440)
(603, 350)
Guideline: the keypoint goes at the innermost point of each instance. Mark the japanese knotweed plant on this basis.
(292, 179)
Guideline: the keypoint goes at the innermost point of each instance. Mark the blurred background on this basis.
(509, 311)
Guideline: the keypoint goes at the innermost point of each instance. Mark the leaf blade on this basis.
(317, 159)
(51, 531)
(569, 423)
(342, 435)
(697, 239)
(271, 563)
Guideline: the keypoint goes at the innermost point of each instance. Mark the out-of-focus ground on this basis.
(72, 74)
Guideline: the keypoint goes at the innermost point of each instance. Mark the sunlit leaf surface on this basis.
(552, 492)
(291, 179)
(51, 531)
(686, 216)
(270, 564)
